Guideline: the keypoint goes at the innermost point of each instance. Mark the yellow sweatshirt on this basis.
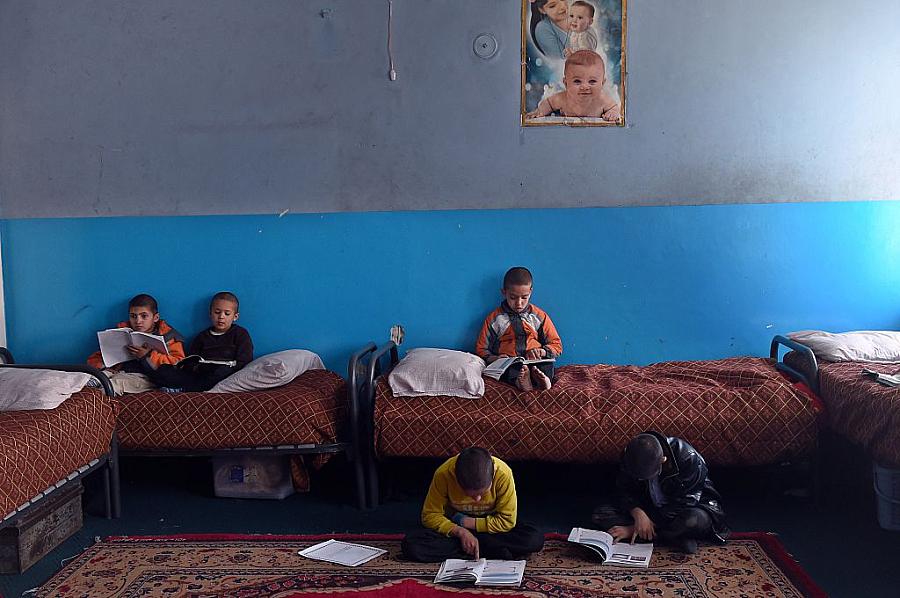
(495, 512)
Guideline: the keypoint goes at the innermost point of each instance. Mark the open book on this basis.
(342, 553)
(886, 379)
(194, 360)
(498, 367)
(483, 572)
(114, 341)
(623, 554)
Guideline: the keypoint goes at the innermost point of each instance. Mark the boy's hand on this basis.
(643, 525)
(534, 354)
(139, 352)
(467, 540)
(621, 533)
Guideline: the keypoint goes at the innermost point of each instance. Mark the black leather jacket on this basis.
(684, 482)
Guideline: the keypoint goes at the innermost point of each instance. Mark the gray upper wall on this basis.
(114, 107)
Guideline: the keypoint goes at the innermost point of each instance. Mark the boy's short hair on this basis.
(474, 468)
(642, 459)
(585, 58)
(517, 276)
(226, 296)
(584, 4)
(144, 300)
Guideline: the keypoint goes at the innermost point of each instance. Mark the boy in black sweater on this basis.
(222, 341)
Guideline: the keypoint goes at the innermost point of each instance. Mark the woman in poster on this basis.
(550, 27)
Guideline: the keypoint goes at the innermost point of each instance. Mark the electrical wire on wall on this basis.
(392, 73)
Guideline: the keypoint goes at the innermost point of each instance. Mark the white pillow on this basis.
(23, 389)
(269, 371)
(863, 345)
(438, 372)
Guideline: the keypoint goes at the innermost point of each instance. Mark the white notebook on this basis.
(342, 553)
(114, 341)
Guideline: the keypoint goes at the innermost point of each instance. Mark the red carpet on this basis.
(231, 566)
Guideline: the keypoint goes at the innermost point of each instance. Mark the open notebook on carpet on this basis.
(342, 553)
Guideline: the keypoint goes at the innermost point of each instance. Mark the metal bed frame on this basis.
(365, 366)
(109, 462)
(370, 362)
(351, 447)
(777, 342)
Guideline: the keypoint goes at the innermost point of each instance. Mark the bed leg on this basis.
(373, 482)
(113, 468)
(107, 497)
(360, 475)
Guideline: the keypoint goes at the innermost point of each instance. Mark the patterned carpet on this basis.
(223, 566)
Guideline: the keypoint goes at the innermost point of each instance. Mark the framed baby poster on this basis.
(573, 62)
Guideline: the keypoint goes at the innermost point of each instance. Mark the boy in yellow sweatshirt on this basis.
(470, 513)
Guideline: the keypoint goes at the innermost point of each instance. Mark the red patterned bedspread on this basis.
(861, 409)
(738, 411)
(308, 410)
(39, 448)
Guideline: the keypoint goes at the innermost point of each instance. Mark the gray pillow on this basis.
(443, 372)
(24, 389)
(862, 345)
(269, 371)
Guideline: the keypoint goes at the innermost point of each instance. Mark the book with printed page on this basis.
(195, 360)
(622, 554)
(113, 343)
(496, 369)
(482, 572)
(342, 553)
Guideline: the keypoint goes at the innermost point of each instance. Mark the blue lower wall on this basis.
(623, 285)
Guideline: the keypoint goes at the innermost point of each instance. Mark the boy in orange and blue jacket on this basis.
(143, 316)
(517, 328)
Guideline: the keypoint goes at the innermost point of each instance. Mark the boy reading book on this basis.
(517, 328)
(470, 512)
(143, 317)
(663, 491)
(223, 342)
(129, 363)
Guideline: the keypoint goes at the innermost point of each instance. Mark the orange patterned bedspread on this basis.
(309, 410)
(39, 448)
(861, 409)
(738, 411)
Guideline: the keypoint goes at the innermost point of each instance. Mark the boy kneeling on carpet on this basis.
(470, 513)
(663, 491)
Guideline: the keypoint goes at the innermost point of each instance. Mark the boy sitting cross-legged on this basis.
(470, 512)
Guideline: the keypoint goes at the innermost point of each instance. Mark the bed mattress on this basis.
(39, 448)
(308, 410)
(738, 411)
(862, 410)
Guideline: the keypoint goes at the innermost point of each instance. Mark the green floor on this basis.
(168, 496)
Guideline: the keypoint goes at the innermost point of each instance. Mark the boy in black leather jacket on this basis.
(663, 491)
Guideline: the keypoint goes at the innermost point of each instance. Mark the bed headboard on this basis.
(805, 352)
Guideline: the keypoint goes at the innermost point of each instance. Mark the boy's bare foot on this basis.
(523, 382)
(541, 381)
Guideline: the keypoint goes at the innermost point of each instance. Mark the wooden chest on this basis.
(28, 540)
